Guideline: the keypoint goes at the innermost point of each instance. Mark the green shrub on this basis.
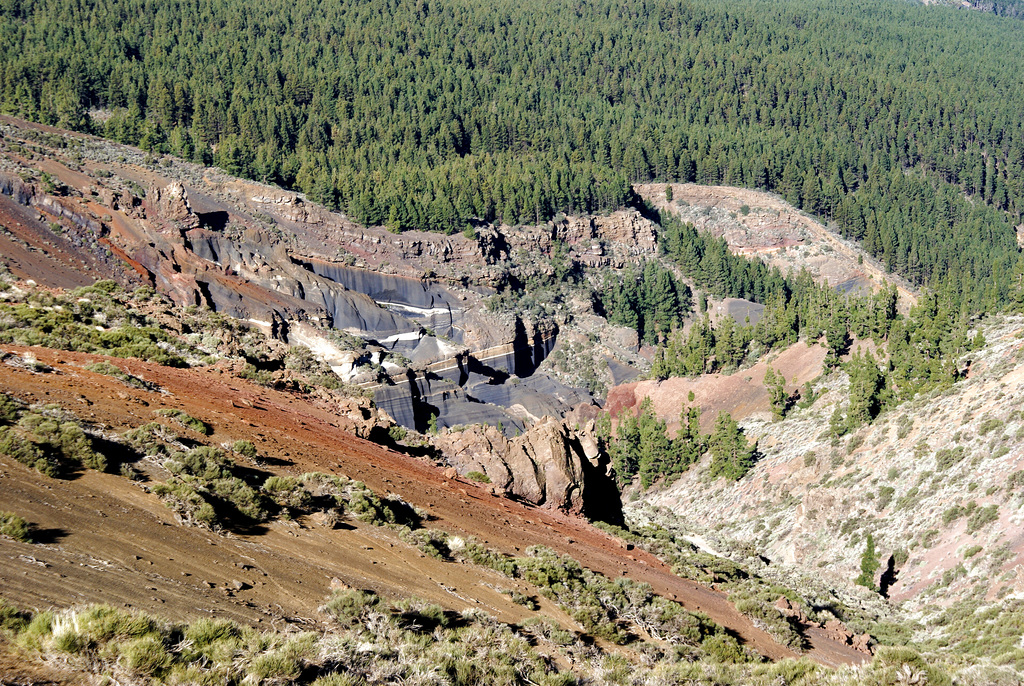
(15, 527)
(972, 551)
(12, 620)
(205, 632)
(53, 447)
(187, 503)
(721, 647)
(150, 439)
(26, 452)
(349, 607)
(8, 408)
(186, 420)
(947, 457)
(146, 655)
(479, 477)
(885, 494)
(276, 666)
(903, 426)
(989, 425)
(288, 491)
(245, 449)
(529, 602)
(259, 376)
(103, 623)
(981, 517)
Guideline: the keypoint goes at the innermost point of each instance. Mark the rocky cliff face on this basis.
(557, 463)
(408, 309)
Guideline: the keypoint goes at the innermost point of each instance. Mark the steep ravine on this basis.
(938, 482)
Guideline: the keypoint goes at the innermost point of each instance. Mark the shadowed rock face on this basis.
(557, 463)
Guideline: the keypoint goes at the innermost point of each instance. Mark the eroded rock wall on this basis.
(556, 463)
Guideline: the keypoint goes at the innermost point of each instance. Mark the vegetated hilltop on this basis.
(760, 224)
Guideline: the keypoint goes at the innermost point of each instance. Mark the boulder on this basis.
(557, 463)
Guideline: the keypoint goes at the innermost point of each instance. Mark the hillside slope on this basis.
(937, 482)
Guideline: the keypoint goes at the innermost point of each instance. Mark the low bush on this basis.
(479, 477)
(13, 526)
(186, 420)
(187, 503)
(981, 517)
(8, 408)
(245, 449)
(947, 457)
(55, 447)
(288, 492)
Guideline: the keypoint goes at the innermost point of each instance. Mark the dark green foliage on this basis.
(924, 351)
(650, 300)
(778, 397)
(708, 261)
(867, 384)
(869, 564)
(430, 116)
(641, 446)
(731, 455)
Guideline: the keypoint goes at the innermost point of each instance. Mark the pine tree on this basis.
(731, 455)
(869, 564)
(775, 384)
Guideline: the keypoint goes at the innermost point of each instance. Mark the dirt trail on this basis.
(299, 559)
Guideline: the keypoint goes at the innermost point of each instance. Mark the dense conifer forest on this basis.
(900, 122)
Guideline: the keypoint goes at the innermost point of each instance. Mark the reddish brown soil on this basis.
(111, 541)
(31, 251)
(741, 394)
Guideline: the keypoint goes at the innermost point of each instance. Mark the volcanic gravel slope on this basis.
(104, 539)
